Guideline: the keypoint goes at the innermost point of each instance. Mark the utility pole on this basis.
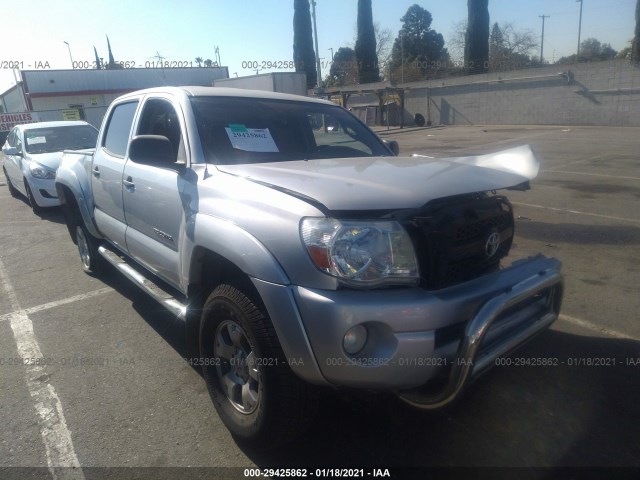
(315, 36)
(542, 41)
(579, 31)
(402, 57)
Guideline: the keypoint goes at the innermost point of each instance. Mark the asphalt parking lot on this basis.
(128, 399)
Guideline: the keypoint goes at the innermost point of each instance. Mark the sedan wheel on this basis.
(12, 190)
(32, 201)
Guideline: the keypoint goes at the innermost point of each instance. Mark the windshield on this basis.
(249, 130)
(57, 139)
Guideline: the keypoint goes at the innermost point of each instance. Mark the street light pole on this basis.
(542, 40)
(315, 35)
(69, 48)
(579, 31)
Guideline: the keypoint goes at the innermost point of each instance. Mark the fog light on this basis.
(354, 339)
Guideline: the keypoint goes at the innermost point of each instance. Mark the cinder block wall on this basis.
(599, 93)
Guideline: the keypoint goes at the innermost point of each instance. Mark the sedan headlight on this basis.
(38, 171)
(361, 254)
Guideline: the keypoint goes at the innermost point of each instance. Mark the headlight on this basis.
(361, 253)
(38, 171)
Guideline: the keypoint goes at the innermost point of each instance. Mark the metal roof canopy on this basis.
(378, 89)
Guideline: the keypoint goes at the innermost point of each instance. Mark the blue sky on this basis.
(261, 30)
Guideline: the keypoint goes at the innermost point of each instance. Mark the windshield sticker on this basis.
(36, 140)
(237, 128)
(251, 139)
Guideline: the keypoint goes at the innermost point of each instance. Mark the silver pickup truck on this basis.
(301, 251)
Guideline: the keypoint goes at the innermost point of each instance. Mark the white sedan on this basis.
(32, 153)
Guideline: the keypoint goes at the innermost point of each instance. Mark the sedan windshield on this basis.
(238, 130)
(57, 139)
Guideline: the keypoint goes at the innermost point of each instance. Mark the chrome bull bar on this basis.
(467, 363)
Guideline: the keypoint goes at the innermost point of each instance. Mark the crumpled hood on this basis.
(381, 183)
(49, 160)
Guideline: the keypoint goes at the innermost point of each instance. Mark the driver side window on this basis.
(160, 118)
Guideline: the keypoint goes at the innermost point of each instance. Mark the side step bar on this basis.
(149, 286)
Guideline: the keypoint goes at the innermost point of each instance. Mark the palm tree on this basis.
(199, 61)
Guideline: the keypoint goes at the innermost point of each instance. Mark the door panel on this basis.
(155, 218)
(153, 195)
(106, 173)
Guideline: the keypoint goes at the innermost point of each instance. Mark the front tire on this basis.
(256, 395)
(32, 201)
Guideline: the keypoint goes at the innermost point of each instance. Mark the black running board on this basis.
(145, 283)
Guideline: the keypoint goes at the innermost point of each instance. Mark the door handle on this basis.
(128, 184)
(96, 172)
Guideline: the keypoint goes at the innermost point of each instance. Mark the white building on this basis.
(86, 94)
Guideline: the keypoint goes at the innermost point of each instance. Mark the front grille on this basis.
(461, 238)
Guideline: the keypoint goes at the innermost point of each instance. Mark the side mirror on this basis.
(151, 150)
(11, 151)
(393, 146)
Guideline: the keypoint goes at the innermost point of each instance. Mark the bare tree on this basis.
(521, 42)
(509, 48)
(456, 41)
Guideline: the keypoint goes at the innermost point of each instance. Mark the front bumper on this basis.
(415, 335)
(44, 191)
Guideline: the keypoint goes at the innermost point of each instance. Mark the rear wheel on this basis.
(88, 249)
(32, 201)
(12, 190)
(252, 387)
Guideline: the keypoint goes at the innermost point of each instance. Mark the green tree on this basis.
(366, 45)
(418, 47)
(476, 45)
(591, 50)
(635, 49)
(344, 68)
(98, 61)
(199, 61)
(625, 53)
(304, 56)
(112, 65)
(496, 48)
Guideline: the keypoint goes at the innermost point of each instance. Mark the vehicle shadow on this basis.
(53, 215)
(170, 328)
(562, 400)
(566, 415)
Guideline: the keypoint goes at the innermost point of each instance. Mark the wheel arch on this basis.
(74, 189)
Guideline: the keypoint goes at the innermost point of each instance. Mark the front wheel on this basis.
(32, 201)
(256, 395)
